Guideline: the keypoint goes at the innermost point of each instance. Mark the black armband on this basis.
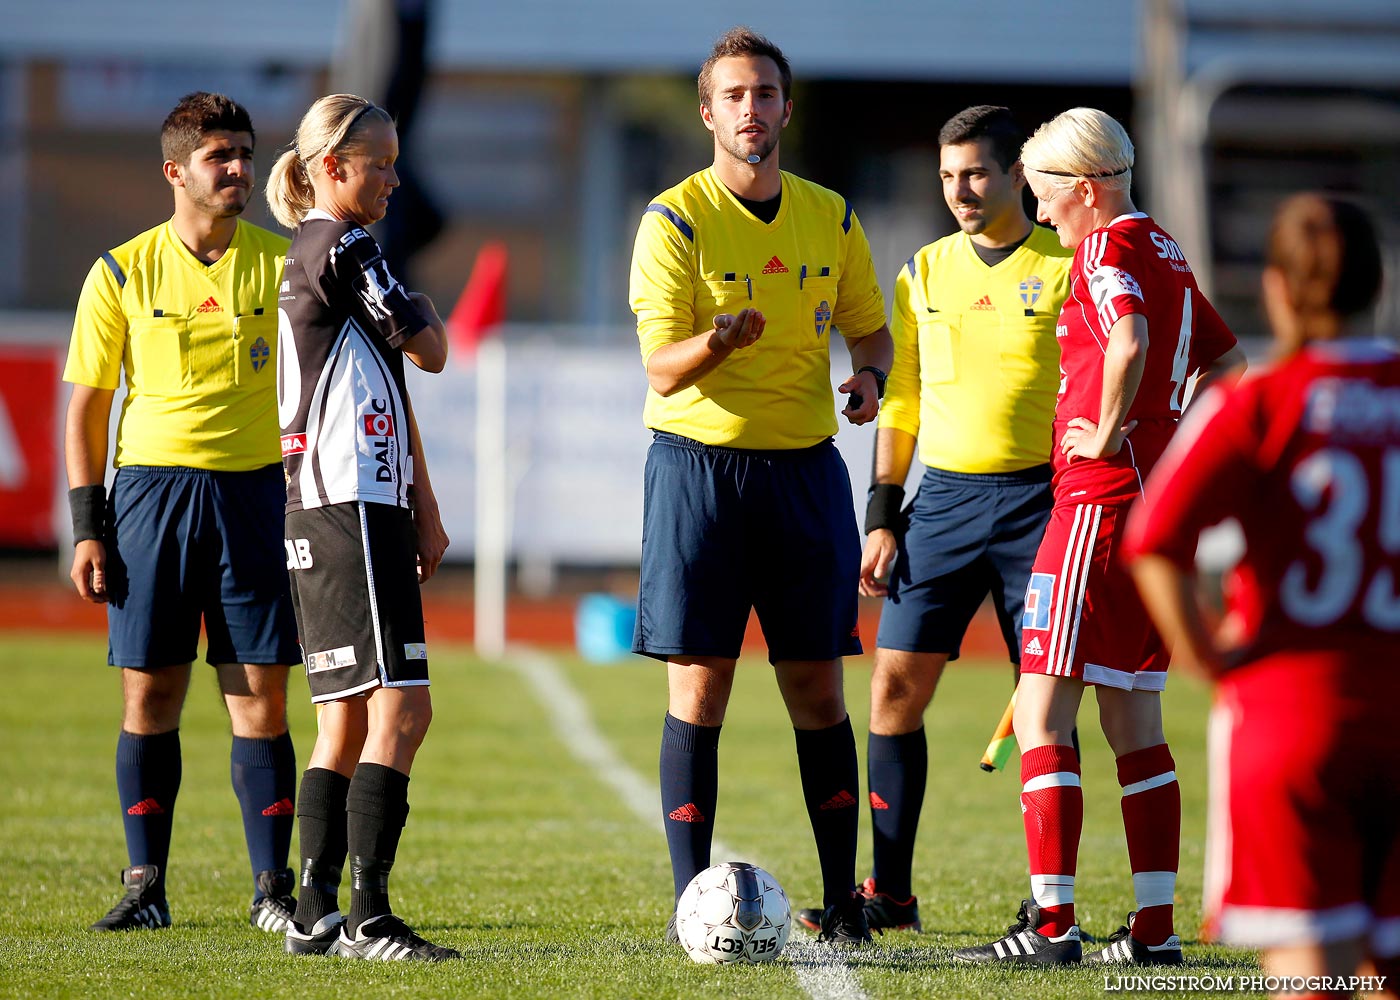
(89, 507)
(882, 510)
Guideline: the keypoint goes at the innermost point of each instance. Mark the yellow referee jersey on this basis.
(197, 344)
(699, 253)
(976, 364)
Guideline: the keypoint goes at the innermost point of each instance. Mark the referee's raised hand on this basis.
(739, 330)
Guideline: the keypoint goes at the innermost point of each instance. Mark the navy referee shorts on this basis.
(190, 546)
(728, 529)
(969, 534)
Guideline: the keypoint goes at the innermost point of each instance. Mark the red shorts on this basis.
(1083, 617)
(1303, 842)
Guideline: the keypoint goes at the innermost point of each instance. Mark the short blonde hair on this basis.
(334, 124)
(1081, 142)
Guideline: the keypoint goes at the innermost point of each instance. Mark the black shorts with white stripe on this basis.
(354, 574)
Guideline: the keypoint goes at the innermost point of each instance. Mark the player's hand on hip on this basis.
(89, 573)
(1082, 440)
(741, 329)
(863, 405)
(876, 561)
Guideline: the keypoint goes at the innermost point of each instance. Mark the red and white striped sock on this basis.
(1152, 822)
(1052, 808)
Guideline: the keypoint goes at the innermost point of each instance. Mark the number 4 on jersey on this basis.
(1182, 357)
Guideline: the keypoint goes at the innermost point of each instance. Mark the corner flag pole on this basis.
(492, 500)
(473, 326)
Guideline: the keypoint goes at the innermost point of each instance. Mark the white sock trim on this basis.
(1057, 779)
(1147, 784)
(1154, 888)
(1052, 890)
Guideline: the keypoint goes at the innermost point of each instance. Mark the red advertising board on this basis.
(29, 445)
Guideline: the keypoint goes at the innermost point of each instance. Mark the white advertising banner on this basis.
(574, 450)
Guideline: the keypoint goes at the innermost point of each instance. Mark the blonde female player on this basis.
(359, 507)
(1134, 328)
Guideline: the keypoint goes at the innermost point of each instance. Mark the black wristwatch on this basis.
(879, 379)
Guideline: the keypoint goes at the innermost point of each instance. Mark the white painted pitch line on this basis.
(821, 972)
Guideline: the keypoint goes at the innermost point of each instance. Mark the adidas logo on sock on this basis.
(282, 807)
(209, 305)
(1034, 648)
(146, 807)
(775, 266)
(985, 302)
(876, 802)
(841, 800)
(687, 814)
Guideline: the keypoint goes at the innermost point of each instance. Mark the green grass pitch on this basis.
(525, 859)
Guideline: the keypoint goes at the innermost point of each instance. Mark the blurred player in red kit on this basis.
(1303, 859)
(1134, 329)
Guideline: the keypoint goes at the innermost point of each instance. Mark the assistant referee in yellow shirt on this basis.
(741, 276)
(192, 533)
(974, 380)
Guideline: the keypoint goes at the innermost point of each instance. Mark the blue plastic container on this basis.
(603, 627)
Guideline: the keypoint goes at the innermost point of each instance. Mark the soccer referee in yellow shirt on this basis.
(741, 276)
(973, 386)
(192, 532)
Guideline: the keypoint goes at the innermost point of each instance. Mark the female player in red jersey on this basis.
(1303, 859)
(1134, 329)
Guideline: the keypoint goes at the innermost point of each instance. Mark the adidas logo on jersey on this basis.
(775, 266)
(1034, 648)
(985, 302)
(210, 305)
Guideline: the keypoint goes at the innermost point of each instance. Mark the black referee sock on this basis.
(898, 772)
(689, 790)
(321, 821)
(148, 780)
(376, 810)
(264, 775)
(830, 782)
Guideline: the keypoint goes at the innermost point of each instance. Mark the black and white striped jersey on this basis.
(341, 319)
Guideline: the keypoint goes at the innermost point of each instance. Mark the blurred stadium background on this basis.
(545, 126)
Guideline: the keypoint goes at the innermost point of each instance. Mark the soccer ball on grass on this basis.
(733, 912)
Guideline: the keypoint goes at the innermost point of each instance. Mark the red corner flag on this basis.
(482, 306)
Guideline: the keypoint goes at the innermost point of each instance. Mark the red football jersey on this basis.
(1307, 457)
(1130, 266)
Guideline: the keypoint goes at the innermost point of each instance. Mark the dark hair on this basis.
(194, 117)
(742, 41)
(986, 121)
(1326, 250)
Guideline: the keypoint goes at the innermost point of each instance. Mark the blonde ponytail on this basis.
(289, 192)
